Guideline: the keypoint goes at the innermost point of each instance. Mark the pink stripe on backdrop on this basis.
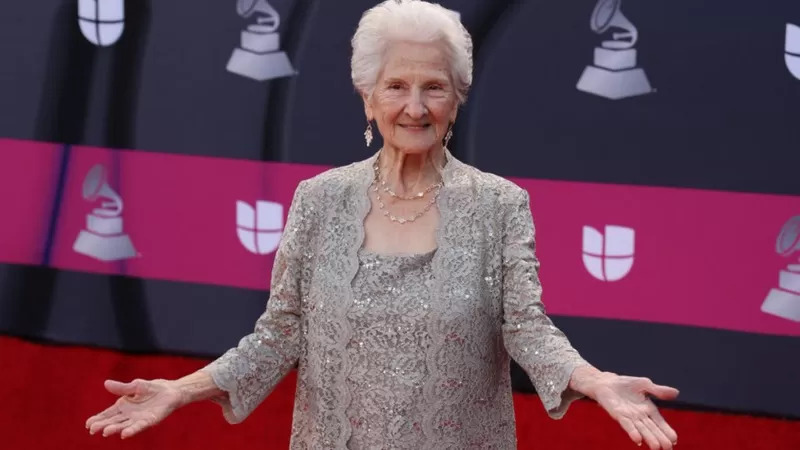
(180, 214)
(701, 258)
(28, 176)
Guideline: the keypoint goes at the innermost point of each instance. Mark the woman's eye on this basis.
(395, 86)
(434, 87)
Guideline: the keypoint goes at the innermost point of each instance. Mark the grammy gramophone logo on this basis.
(101, 21)
(614, 74)
(259, 56)
(103, 238)
(784, 301)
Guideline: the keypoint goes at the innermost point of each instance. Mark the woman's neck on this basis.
(409, 173)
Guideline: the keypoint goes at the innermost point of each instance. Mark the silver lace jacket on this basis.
(486, 294)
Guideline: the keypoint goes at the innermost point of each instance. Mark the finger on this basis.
(133, 429)
(108, 412)
(648, 436)
(116, 428)
(630, 428)
(100, 424)
(663, 442)
(119, 388)
(662, 424)
(662, 392)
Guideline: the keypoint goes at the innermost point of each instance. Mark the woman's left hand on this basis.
(627, 400)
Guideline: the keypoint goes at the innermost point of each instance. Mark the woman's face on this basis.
(414, 100)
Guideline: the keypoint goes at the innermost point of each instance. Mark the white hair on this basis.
(410, 21)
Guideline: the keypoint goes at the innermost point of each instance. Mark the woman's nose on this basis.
(415, 107)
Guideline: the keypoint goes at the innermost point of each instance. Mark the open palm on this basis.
(142, 404)
(627, 400)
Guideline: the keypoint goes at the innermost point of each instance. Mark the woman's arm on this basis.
(241, 378)
(530, 337)
(556, 369)
(196, 387)
(249, 372)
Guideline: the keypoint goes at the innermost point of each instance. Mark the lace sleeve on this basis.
(540, 348)
(249, 372)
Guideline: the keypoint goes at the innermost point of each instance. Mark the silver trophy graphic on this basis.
(259, 56)
(614, 74)
(103, 238)
(784, 301)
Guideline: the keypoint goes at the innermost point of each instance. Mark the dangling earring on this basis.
(448, 135)
(368, 134)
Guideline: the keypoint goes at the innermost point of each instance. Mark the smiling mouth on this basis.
(416, 127)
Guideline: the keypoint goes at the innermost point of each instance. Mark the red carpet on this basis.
(47, 392)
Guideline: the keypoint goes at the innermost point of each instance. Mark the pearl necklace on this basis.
(402, 220)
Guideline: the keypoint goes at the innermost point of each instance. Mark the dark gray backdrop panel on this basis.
(725, 114)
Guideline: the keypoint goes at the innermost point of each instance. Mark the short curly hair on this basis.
(410, 21)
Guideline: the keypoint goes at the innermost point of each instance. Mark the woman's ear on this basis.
(367, 107)
(453, 115)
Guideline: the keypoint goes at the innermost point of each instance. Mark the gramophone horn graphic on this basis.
(614, 74)
(259, 56)
(101, 21)
(784, 301)
(103, 238)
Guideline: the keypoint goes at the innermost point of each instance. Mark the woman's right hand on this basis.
(142, 404)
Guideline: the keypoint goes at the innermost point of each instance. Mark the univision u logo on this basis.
(101, 21)
(608, 256)
(260, 228)
(792, 49)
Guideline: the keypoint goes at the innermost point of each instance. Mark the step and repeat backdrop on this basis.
(149, 152)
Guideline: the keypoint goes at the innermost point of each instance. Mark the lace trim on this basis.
(562, 397)
(436, 335)
(233, 410)
(357, 235)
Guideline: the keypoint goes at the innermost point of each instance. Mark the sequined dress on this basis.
(402, 352)
(388, 349)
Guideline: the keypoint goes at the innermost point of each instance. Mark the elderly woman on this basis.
(403, 285)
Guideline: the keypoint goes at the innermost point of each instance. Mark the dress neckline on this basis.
(369, 253)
